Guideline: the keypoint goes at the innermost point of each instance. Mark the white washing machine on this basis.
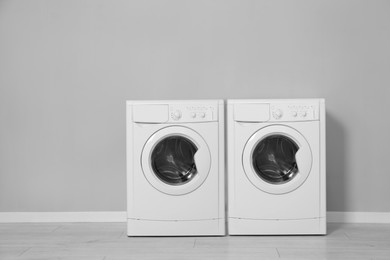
(175, 168)
(276, 167)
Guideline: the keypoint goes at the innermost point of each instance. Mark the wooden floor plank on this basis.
(108, 241)
(11, 251)
(333, 253)
(152, 252)
(54, 258)
(306, 242)
(7, 228)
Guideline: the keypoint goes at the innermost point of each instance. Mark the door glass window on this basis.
(172, 160)
(273, 159)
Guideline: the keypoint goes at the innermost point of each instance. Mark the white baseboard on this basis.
(36, 217)
(358, 217)
(120, 216)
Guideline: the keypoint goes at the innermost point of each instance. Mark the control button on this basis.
(176, 115)
(202, 114)
(294, 113)
(303, 114)
(193, 114)
(277, 113)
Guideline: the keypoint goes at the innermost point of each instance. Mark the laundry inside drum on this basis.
(273, 159)
(173, 161)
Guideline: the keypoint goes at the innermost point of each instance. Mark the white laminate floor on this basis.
(108, 241)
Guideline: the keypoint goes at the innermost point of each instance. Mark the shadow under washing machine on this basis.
(276, 167)
(175, 168)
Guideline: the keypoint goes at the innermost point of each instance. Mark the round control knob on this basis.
(294, 113)
(193, 114)
(202, 114)
(176, 115)
(303, 114)
(278, 113)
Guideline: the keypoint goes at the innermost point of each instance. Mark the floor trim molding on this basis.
(38, 217)
(120, 216)
(358, 217)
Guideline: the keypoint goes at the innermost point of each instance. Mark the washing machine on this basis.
(175, 168)
(276, 167)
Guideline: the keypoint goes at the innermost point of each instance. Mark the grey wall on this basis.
(67, 67)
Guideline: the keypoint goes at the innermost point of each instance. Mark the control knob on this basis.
(193, 114)
(202, 114)
(277, 113)
(303, 113)
(294, 113)
(176, 115)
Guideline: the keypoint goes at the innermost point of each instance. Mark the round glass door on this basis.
(176, 160)
(173, 160)
(274, 159)
(277, 159)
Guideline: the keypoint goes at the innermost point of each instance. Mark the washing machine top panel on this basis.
(276, 110)
(176, 112)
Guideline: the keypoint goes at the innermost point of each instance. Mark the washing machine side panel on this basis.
(222, 170)
(230, 161)
(150, 203)
(250, 202)
(323, 162)
(129, 158)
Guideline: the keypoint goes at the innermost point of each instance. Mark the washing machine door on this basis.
(176, 160)
(277, 159)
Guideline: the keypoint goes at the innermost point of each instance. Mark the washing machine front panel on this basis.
(176, 160)
(187, 199)
(149, 203)
(277, 159)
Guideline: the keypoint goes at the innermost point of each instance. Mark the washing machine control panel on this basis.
(192, 113)
(294, 112)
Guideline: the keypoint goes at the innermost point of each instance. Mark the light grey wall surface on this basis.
(67, 67)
